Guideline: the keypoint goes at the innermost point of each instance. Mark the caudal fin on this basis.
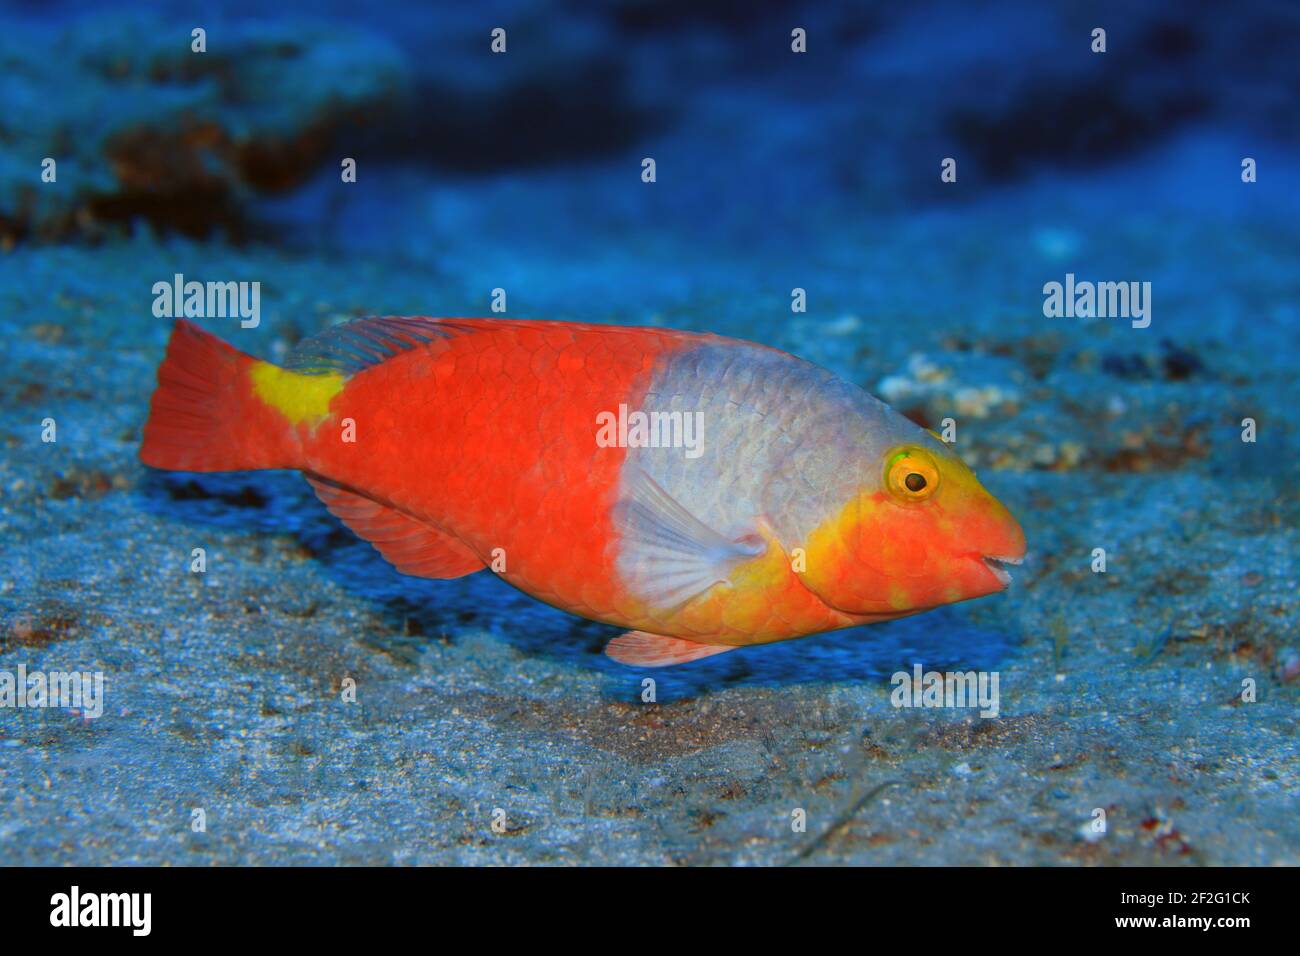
(205, 416)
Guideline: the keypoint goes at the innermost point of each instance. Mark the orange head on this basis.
(919, 533)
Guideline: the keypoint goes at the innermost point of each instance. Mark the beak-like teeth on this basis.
(995, 564)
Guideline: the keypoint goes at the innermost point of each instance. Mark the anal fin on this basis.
(655, 650)
(406, 543)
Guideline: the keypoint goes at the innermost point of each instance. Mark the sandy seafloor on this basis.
(1119, 691)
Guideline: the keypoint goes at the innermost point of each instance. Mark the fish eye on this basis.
(911, 474)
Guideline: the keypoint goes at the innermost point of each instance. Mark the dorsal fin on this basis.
(361, 343)
(352, 346)
(406, 543)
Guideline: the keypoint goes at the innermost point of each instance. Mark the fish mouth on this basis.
(997, 564)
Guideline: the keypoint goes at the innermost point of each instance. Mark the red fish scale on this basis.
(490, 435)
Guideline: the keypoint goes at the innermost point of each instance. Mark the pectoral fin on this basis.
(667, 555)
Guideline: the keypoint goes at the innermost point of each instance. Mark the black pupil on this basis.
(914, 482)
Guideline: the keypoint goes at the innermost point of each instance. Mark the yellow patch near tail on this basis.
(298, 397)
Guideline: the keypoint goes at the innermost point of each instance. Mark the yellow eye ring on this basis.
(911, 474)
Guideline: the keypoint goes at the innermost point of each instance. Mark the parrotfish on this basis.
(704, 493)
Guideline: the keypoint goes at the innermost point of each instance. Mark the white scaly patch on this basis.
(785, 444)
